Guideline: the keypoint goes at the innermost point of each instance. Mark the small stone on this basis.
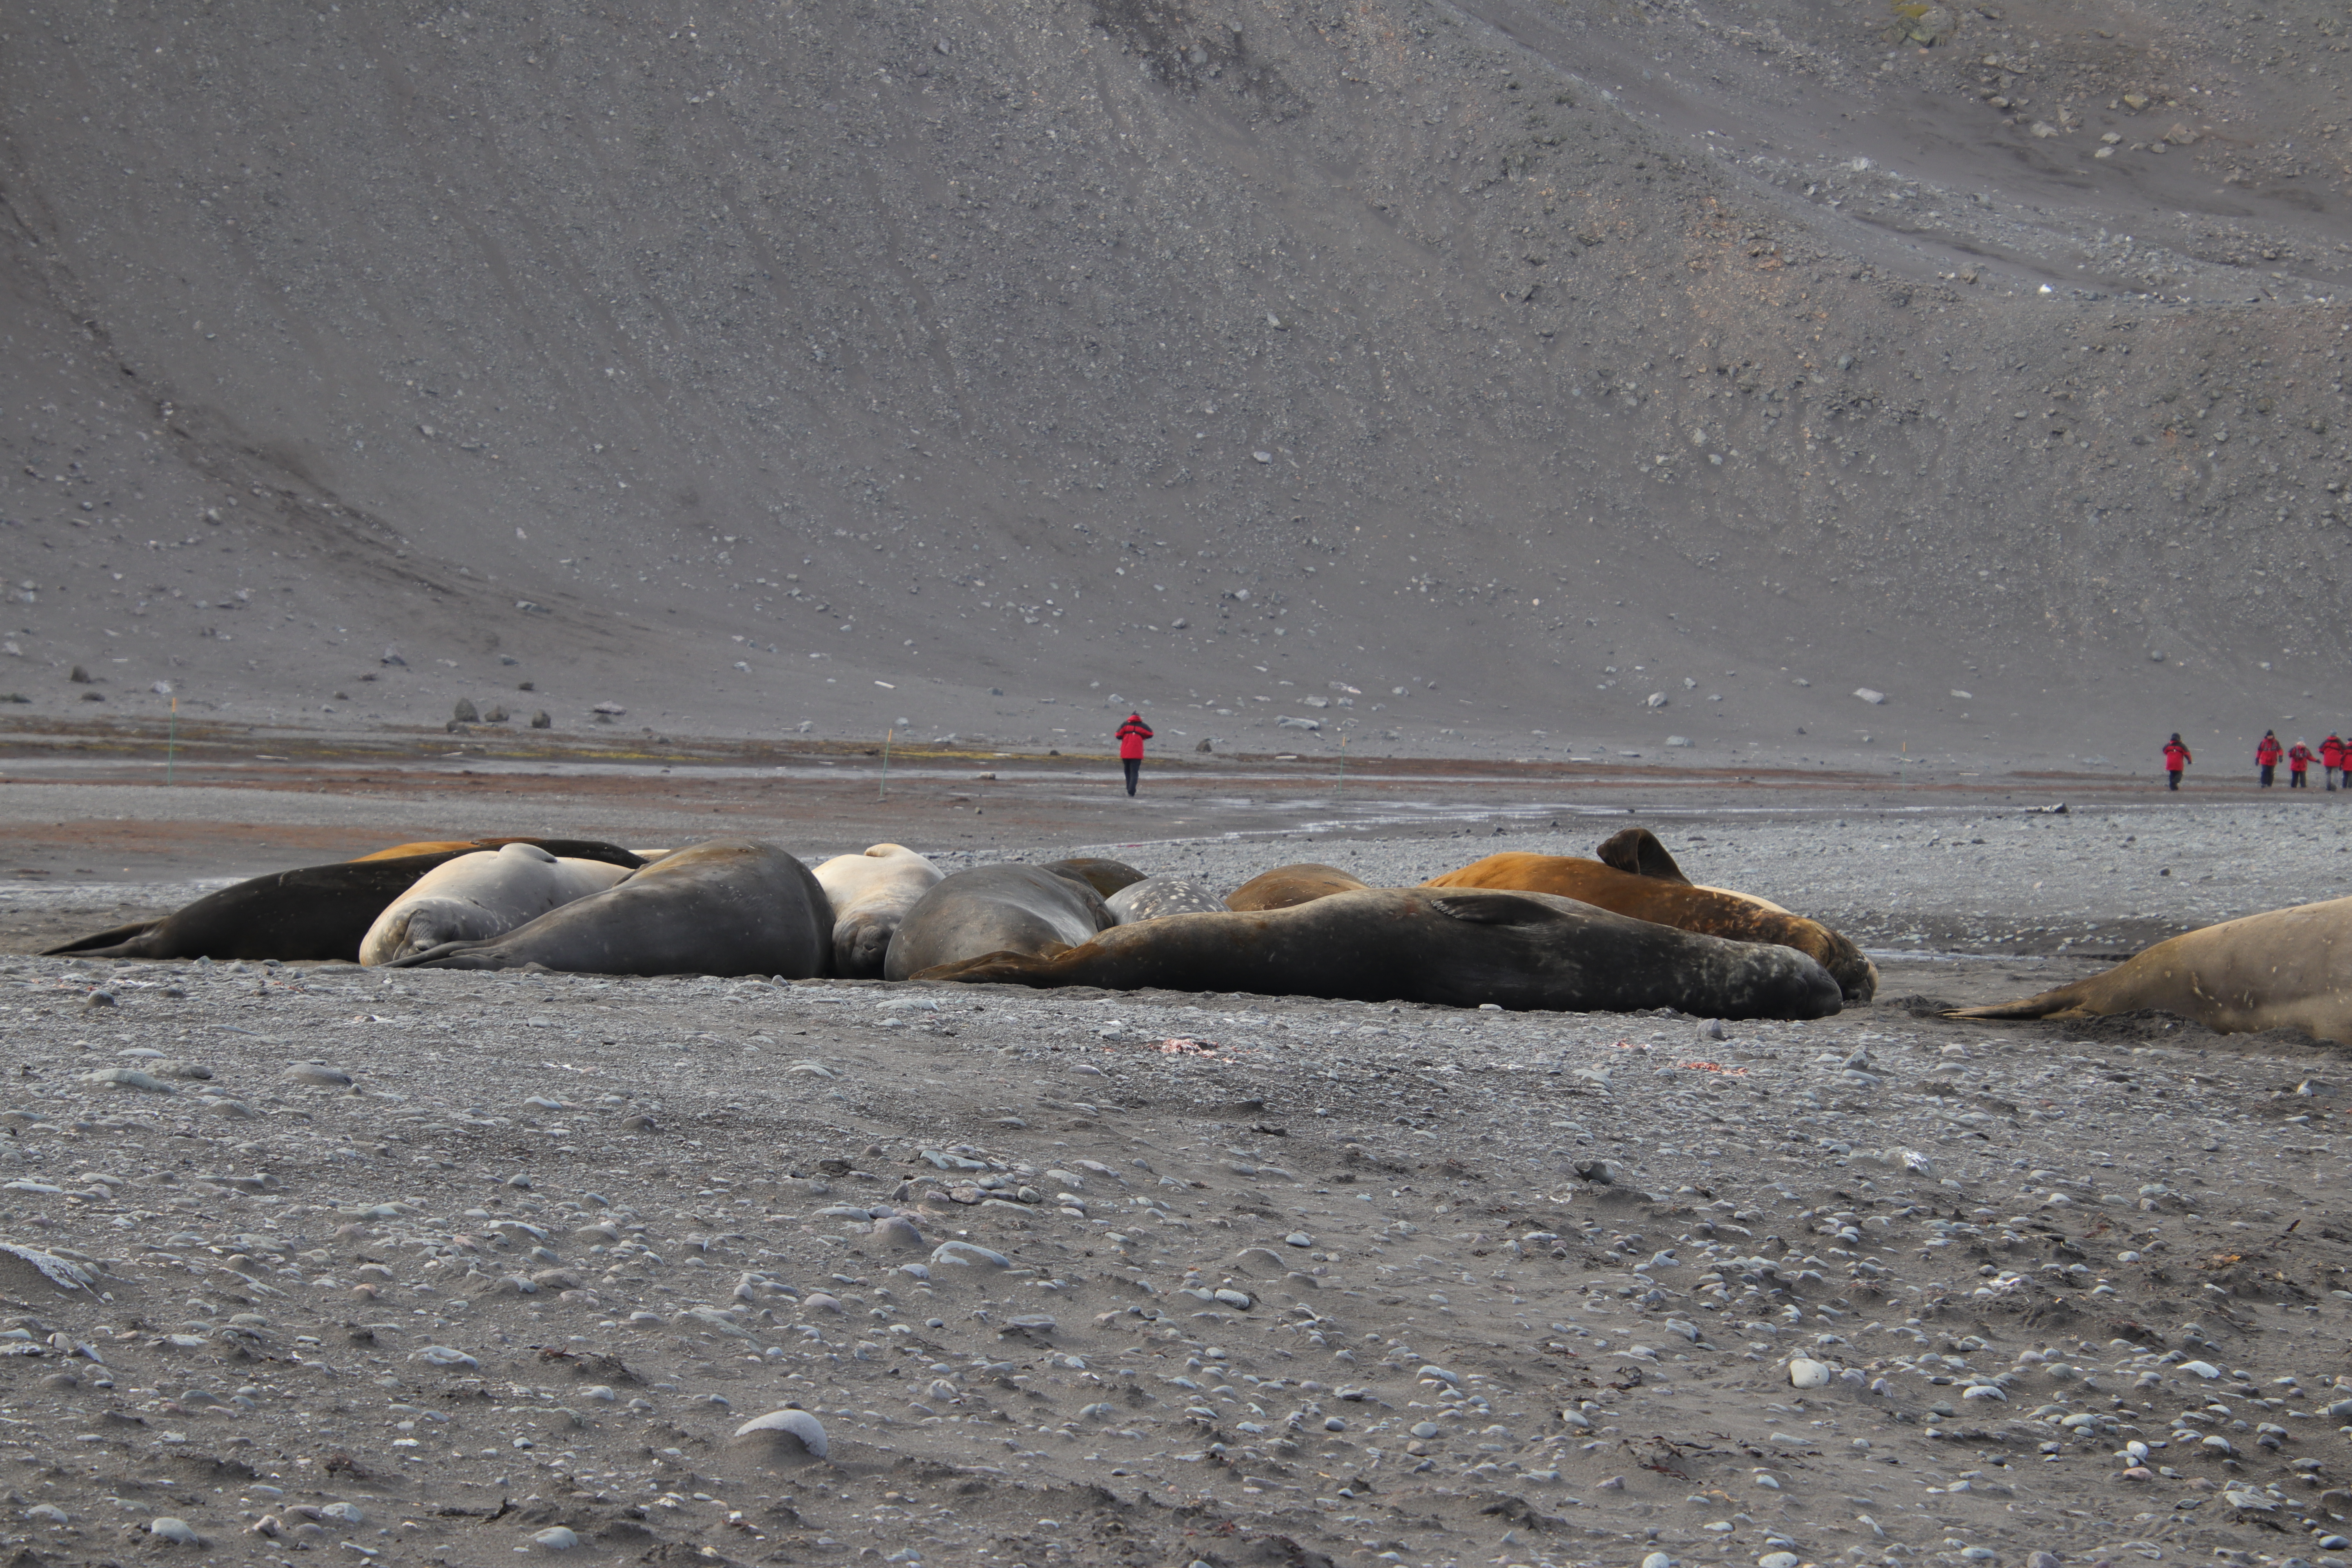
(495, 714)
(1425, 1429)
(1875, 698)
(1804, 1374)
(164, 1527)
(317, 1074)
(1680, 741)
(1334, 1424)
(46, 1513)
(465, 712)
(100, 999)
(968, 1255)
(540, 720)
(129, 1077)
(1298, 1238)
(1654, 700)
(444, 1355)
(896, 1230)
(1776, 1560)
(2204, 1369)
(2042, 1560)
(555, 1538)
(795, 1425)
(1657, 1560)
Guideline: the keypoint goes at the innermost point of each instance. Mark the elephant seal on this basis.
(1157, 896)
(731, 906)
(482, 895)
(1454, 948)
(1285, 886)
(567, 848)
(2284, 969)
(312, 912)
(1659, 891)
(995, 908)
(871, 893)
(1105, 876)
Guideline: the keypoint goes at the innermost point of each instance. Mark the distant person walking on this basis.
(2298, 762)
(2176, 760)
(2267, 755)
(1131, 736)
(2331, 757)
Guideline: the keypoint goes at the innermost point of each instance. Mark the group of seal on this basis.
(1515, 930)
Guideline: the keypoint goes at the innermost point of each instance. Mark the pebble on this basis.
(50, 1513)
(969, 1254)
(896, 1230)
(164, 1527)
(317, 1074)
(128, 1077)
(1776, 1560)
(555, 1538)
(1804, 1374)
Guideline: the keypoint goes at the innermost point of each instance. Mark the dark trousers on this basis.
(1134, 767)
(2267, 776)
(2297, 779)
(2176, 780)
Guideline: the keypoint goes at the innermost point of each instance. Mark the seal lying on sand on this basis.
(871, 893)
(1453, 948)
(1635, 876)
(1287, 886)
(1157, 896)
(1024, 909)
(567, 848)
(478, 896)
(2286, 969)
(732, 905)
(312, 912)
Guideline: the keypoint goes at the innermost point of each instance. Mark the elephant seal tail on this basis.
(2049, 1004)
(122, 942)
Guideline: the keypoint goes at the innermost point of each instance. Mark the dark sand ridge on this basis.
(946, 345)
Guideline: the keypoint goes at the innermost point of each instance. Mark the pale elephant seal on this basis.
(871, 893)
(1157, 896)
(1286, 887)
(2286, 969)
(732, 905)
(1426, 944)
(995, 908)
(479, 896)
(1635, 876)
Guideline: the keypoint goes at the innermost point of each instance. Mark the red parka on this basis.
(2176, 756)
(2298, 758)
(1131, 736)
(2331, 752)
(2268, 754)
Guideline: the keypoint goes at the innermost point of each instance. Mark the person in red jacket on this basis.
(2298, 763)
(2176, 760)
(2331, 757)
(1131, 736)
(2267, 755)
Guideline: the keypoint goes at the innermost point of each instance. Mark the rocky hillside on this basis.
(1510, 374)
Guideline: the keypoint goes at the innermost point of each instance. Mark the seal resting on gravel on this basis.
(1454, 948)
(871, 893)
(568, 849)
(312, 912)
(482, 895)
(1155, 897)
(2286, 969)
(1635, 876)
(1024, 909)
(1285, 886)
(731, 906)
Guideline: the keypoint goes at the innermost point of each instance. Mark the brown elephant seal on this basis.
(312, 912)
(1157, 897)
(1105, 876)
(1287, 886)
(1453, 949)
(731, 906)
(565, 849)
(2286, 969)
(995, 908)
(1659, 891)
(475, 897)
(871, 893)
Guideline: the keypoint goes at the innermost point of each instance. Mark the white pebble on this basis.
(794, 1424)
(1803, 1373)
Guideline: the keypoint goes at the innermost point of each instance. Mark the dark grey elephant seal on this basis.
(1454, 948)
(1156, 896)
(996, 909)
(732, 905)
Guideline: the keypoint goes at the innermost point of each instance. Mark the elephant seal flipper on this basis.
(105, 943)
(1636, 851)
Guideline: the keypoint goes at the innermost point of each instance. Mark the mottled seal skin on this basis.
(1155, 897)
(1659, 891)
(995, 908)
(312, 912)
(1105, 876)
(871, 893)
(564, 849)
(1453, 948)
(1287, 886)
(2286, 969)
(476, 897)
(731, 906)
